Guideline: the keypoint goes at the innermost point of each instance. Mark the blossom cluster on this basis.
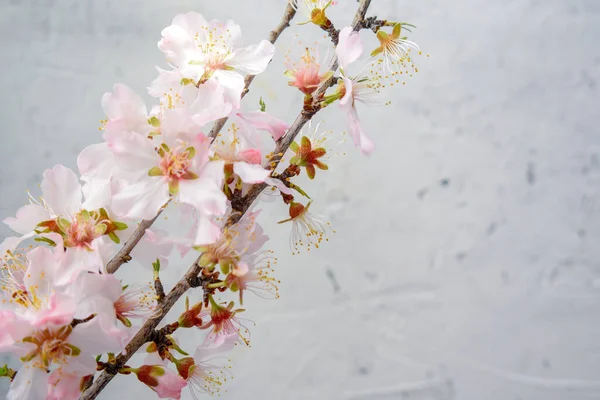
(65, 314)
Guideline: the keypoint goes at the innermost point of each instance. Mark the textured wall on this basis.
(465, 264)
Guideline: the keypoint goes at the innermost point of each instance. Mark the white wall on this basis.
(487, 287)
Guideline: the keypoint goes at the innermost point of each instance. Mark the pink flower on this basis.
(63, 214)
(205, 51)
(252, 273)
(223, 324)
(201, 375)
(305, 74)
(166, 383)
(307, 229)
(173, 164)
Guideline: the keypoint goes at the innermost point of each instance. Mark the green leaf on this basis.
(263, 106)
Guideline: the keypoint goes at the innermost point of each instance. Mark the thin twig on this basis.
(191, 277)
(124, 255)
(288, 14)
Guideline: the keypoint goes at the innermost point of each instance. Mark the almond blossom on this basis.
(62, 211)
(394, 48)
(205, 51)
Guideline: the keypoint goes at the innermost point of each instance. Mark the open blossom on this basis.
(223, 324)
(305, 74)
(201, 374)
(307, 229)
(394, 48)
(173, 164)
(62, 212)
(252, 273)
(205, 51)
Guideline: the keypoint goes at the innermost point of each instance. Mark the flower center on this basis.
(175, 164)
(82, 231)
(51, 346)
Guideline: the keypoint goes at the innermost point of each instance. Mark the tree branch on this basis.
(123, 255)
(191, 277)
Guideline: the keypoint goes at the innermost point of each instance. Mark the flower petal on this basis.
(142, 199)
(250, 173)
(349, 48)
(265, 122)
(27, 218)
(62, 191)
(252, 59)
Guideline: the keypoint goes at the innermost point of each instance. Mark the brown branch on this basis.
(123, 255)
(191, 278)
(288, 14)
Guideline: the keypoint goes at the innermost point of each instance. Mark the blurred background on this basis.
(465, 262)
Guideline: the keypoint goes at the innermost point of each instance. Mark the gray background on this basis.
(465, 263)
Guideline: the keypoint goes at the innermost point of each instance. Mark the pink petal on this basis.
(349, 48)
(125, 110)
(142, 199)
(250, 173)
(27, 218)
(361, 140)
(266, 122)
(62, 191)
(252, 59)
(132, 151)
(251, 156)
